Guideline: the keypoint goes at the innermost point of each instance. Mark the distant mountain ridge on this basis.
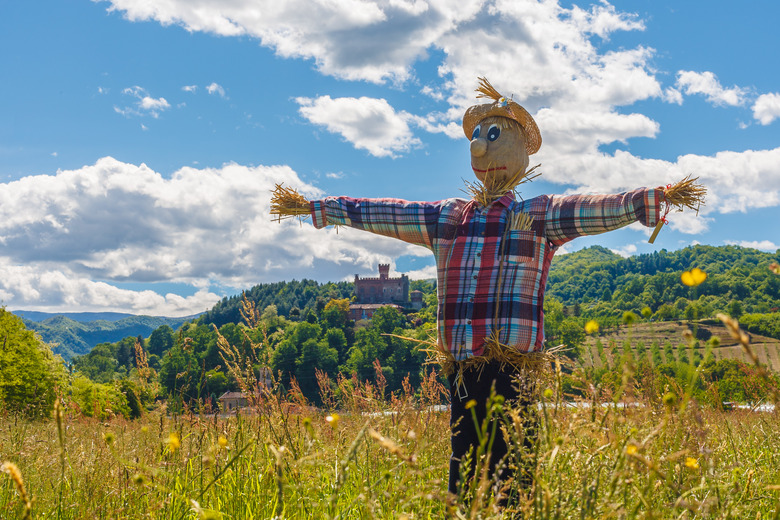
(73, 334)
(595, 278)
(83, 317)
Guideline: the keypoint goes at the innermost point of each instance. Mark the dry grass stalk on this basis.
(486, 90)
(521, 222)
(686, 194)
(16, 475)
(145, 372)
(493, 188)
(287, 203)
(392, 447)
(249, 312)
(733, 327)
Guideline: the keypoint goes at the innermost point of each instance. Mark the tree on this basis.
(335, 315)
(99, 365)
(553, 316)
(283, 360)
(735, 309)
(161, 340)
(386, 319)
(337, 340)
(572, 335)
(125, 352)
(28, 369)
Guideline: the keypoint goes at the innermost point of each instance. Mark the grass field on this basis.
(382, 458)
(766, 349)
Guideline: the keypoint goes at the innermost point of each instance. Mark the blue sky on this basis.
(139, 140)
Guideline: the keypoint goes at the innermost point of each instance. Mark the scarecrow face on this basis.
(497, 150)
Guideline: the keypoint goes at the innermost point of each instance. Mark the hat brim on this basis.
(511, 110)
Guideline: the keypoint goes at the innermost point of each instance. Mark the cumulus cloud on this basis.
(707, 84)
(368, 123)
(67, 237)
(347, 38)
(761, 245)
(539, 52)
(625, 251)
(216, 88)
(767, 108)
(144, 104)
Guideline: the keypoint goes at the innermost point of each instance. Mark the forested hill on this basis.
(599, 281)
(69, 337)
(295, 298)
(593, 281)
(606, 282)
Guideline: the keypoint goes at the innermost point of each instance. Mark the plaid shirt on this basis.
(491, 278)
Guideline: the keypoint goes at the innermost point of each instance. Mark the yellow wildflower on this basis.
(174, 442)
(222, 441)
(632, 449)
(333, 420)
(591, 327)
(693, 277)
(471, 404)
(691, 463)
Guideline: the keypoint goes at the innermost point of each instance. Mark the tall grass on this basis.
(292, 462)
(365, 454)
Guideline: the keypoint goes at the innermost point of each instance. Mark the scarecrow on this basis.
(493, 254)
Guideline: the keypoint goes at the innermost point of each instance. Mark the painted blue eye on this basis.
(493, 133)
(475, 133)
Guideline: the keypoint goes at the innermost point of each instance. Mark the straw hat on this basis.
(503, 107)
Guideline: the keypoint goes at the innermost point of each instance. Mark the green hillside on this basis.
(70, 338)
(602, 284)
(590, 283)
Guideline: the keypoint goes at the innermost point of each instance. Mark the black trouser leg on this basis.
(477, 384)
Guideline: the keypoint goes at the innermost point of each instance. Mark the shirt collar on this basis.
(507, 199)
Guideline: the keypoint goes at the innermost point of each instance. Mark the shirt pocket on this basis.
(520, 246)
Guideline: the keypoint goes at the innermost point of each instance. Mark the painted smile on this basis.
(488, 170)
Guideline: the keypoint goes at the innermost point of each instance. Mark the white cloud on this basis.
(672, 95)
(346, 38)
(144, 104)
(538, 52)
(735, 181)
(368, 123)
(761, 245)
(767, 108)
(435, 94)
(625, 251)
(116, 222)
(216, 88)
(190, 88)
(707, 84)
(426, 273)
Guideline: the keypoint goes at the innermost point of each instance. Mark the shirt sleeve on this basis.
(413, 222)
(569, 217)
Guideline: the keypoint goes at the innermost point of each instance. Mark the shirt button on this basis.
(468, 322)
(474, 277)
(479, 254)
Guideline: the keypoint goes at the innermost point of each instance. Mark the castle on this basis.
(373, 293)
(383, 289)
